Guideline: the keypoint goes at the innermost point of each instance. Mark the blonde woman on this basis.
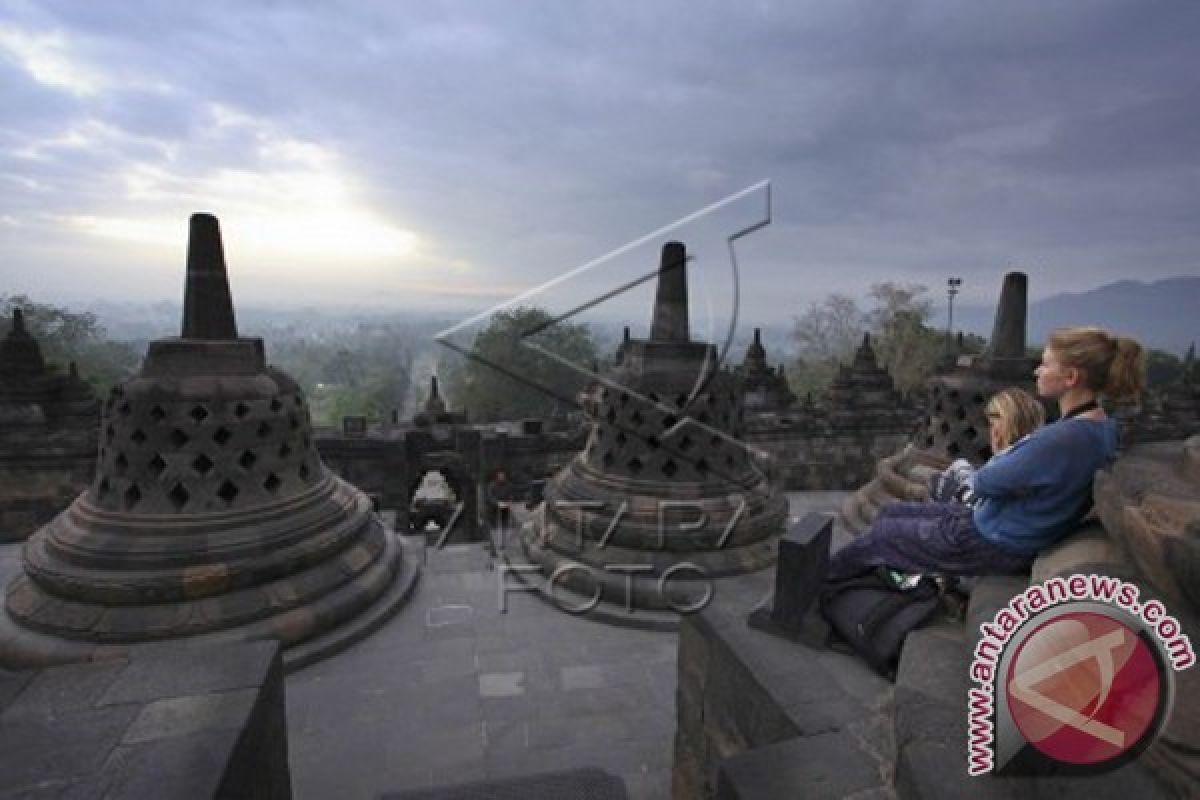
(1028, 496)
(1012, 414)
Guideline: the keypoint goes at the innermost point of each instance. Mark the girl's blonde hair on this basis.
(1016, 412)
(1111, 365)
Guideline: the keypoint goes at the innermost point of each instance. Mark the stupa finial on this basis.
(207, 302)
(670, 300)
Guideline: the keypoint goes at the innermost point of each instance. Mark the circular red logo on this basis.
(1084, 688)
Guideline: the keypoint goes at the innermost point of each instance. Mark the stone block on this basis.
(931, 690)
(178, 670)
(56, 749)
(11, 685)
(184, 767)
(115, 730)
(68, 688)
(931, 770)
(800, 571)
(587, 783)
(990, 595)
(182, 716)
(1084, 551)
(829, 765)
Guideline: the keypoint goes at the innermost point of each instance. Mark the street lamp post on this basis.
(952, 285)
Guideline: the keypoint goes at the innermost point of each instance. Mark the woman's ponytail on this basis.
(1127, 374)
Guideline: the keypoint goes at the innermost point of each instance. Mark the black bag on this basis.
(873, 614)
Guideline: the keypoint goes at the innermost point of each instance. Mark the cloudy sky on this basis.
(441, 154)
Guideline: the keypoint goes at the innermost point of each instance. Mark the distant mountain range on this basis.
(1163, 314)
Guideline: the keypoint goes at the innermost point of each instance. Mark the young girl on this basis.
(1027, 497)
(1012, 414)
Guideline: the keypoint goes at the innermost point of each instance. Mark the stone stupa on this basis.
(764, 389)
(211, 516)
(954, 424)
(47, 434)
(663, 478)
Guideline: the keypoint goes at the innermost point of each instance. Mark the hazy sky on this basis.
(450, 154)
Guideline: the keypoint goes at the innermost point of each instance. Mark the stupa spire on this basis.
(1008, 333)
(670, 300)
(207, 302)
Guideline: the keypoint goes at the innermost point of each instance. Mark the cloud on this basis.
(371, 147)
(46, 58)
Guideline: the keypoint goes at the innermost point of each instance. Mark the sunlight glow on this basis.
(293, 204)
(44, 56)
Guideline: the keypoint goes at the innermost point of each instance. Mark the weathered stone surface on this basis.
(670, 323)
(740, 690)
(1149, 502)
(834, 443)
(1085, 549)
(207, 303)
(827, 765)
(990, 594)
(800, 571)
(862, 386)
(663, 481)
(47, 434)
(176, 671)
(67, 733)
(586, 784)
(210, 512)
(931, 688)
(954, 425)
(1008, 332)
(764, 390)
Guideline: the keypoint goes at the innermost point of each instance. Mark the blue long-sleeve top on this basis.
(1038, 490)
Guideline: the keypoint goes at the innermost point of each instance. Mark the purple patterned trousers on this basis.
(936, 538)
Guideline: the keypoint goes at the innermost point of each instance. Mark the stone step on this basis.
(931, 721)
(990, 594)
(365, 623)
(820, 767)
(587, 783)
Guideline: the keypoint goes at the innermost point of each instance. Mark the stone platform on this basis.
(761, 717)
(453, 690)
(171, 721)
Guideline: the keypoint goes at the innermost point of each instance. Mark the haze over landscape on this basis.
(445, 156)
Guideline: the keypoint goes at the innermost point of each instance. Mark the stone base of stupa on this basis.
(317, 595)
(662, 556)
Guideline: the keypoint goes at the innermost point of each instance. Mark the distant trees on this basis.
(1162, 368)
(66, 336)
(907, 345)
(827, 333)
(489, 394)
(366, 371)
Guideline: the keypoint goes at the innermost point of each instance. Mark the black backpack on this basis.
(872, 613)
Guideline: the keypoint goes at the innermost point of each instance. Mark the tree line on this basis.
(368, 368)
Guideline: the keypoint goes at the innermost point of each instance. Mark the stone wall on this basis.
(388, 464)
(820, 457)
(761, 717)
(740, 691)
(170, 721)
(39, 477)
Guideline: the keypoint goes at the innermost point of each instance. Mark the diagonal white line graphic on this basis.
(708, 369)
(1101, 649)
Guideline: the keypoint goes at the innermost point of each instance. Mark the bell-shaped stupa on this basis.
(210, 515)
(663, 486)
(954, 424)
(47, 434)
